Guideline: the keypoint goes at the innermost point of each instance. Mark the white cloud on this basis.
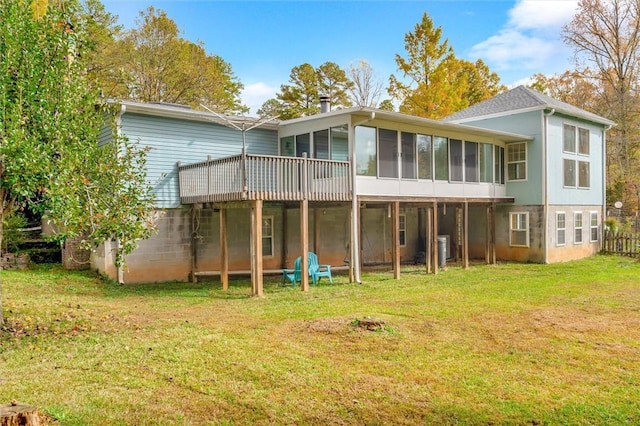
(542, 14)
(531, 41)
(255, 94)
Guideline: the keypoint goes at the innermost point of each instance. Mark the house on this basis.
(557, 178)
(360, 186)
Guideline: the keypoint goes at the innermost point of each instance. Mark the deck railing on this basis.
(264, 177)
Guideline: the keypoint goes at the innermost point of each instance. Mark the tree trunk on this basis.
(16, 414)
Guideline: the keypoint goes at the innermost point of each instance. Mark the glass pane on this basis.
(339, 143)
(321, 144)
(302, 144)
(583, 144)
(486, 161)
(441, 157)
(366, 157)
(502, 174)
(455, 151)
(519, 238)
(267, 247)
(471, 162)
(388, 149)
(424, 157)
(583, 174)
(408, 145)
(569, 172)
(569, 138)
(287, 147)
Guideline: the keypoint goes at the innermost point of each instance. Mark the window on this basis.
(425, 157)
(583, 174)
(302, 145)
(339, 143)
(517, 161)
(583, 141)
(321, 144)
(455, 156)
(498, 161)
(408, 155)
(366, 151)
(267, 236)
(569, 138)
(287, 146)
(402, 230)
(485, 162)
(471, 162)
(569, 167)
(594, 226)
(519, 229)
(441, 157)
(388, 150)
(561, 226)
(577, 226)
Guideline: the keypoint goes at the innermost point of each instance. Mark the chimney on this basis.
(325, 104)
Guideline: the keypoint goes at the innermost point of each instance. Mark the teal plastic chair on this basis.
(316, 271)
(293, 275)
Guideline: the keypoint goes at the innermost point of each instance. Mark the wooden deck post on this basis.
(395, 238)
(304, 244)
(316, 231)
(304, 226)
(428, 246)
(465, 236)
(224, 254)
(256, 249)
(434, 238)
(487, 246)
(285, 237)
(351, 239)
(493, 234)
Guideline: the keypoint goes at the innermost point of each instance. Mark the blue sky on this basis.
(263, 40)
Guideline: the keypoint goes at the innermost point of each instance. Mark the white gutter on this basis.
(355, 219)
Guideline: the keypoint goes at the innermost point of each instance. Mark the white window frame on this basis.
(578, 183)
(575, 172)
(522, 161)
(578, 228)
(581, 131)
(593, 227)
(562, 228)
(269, 237)
(524, 229)
(402, 229)
(565, 129)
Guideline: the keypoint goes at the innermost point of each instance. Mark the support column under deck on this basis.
(395, 238)
(224, 253)
(304, 244)
(256, 249)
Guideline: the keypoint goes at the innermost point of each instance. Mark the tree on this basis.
(366, 89)
(334, 84)
(434, 83)
(160, 66)
(301, 97)
(606, 34)
(50, 121)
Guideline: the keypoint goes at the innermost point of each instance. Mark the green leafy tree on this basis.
(50, 121)
(160, 66)
(334, 84)
(434, 83)
(301, 97)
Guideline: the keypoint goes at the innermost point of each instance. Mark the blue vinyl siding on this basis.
(529, 191)
(171, 140)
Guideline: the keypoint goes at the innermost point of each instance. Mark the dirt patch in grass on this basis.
(338, 325)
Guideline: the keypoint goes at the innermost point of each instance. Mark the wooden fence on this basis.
(624, 244)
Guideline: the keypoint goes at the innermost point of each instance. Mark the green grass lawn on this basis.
(506, 344)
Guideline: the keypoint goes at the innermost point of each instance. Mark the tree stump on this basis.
(17, 414)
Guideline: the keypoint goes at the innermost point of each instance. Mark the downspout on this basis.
(355, 219)
(545, 198)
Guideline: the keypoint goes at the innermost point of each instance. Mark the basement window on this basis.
(519, 229)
